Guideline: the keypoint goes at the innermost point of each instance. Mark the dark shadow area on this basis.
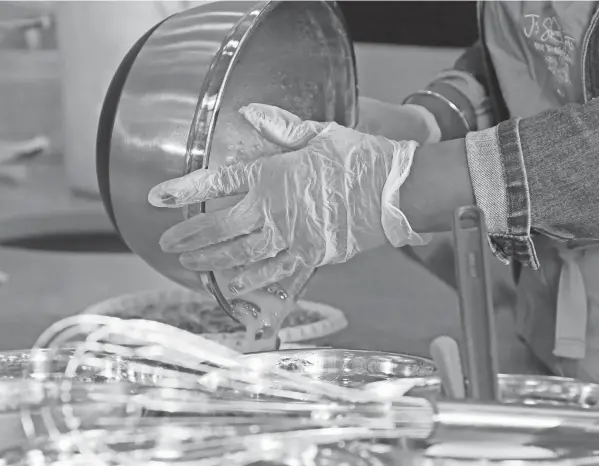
(100, 242)
(430, 24)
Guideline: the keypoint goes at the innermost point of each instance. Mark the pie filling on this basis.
(206, 318)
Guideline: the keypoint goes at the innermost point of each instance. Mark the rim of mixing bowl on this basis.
(209, 101)
(204, 120)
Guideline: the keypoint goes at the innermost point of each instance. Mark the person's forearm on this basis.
(439, 182)
(453, 112)
(533, 175)
(457, 97)
(394, 122)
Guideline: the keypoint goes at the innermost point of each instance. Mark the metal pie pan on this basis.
(355, 368)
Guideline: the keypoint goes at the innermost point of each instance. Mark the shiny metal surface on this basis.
(345, 367)
(355, 368)
(173, 107)
(50, 365)
(566, 458)
(543, 390)
(561, 433)
(510, 425)
(353, 454)
(338, 366)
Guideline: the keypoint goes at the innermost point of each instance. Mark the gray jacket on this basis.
(547, 165)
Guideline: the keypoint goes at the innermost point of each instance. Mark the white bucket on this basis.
(93, 38)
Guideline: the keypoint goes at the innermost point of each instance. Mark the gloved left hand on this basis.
(334, 195)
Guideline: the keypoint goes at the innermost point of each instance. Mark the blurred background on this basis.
(58, 250)
(82, 43)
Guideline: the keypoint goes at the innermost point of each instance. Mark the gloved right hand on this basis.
(398, 122)
(336, 194)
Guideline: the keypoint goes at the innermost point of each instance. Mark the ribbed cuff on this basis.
(500, 187)
(488, 180)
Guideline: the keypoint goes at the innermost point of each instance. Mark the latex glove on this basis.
(398, 122)
(334, 195)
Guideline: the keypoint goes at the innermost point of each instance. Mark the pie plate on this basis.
(188, 310)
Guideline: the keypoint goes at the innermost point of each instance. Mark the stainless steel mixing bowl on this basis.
(173, 104)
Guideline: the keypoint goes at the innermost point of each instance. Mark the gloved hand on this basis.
(398, 122)
(334, 195)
